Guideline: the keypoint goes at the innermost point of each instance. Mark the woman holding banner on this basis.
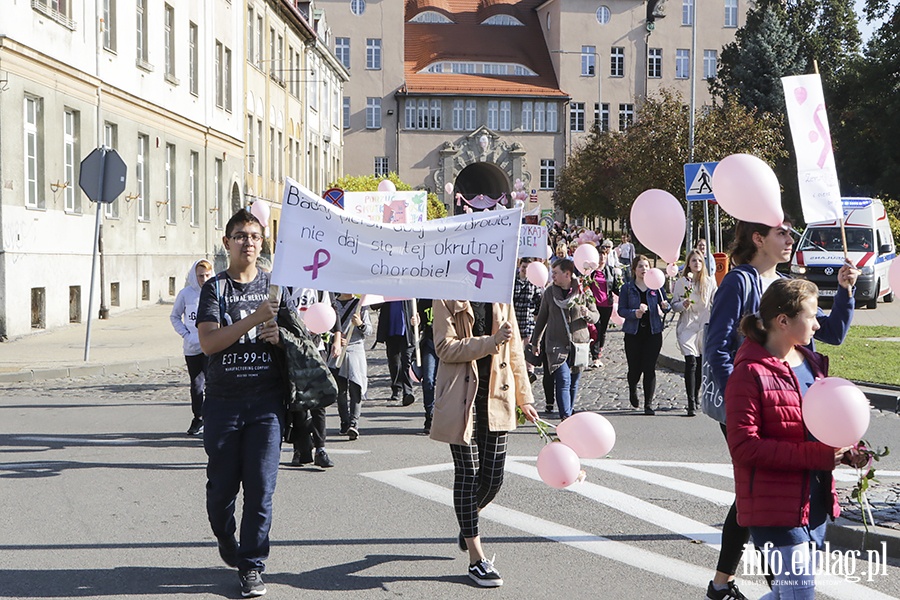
(481, 380)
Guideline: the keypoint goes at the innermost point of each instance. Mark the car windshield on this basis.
(829, 239)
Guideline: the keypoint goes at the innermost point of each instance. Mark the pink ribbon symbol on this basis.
(316, 264)
(823, 135)
(478, 271)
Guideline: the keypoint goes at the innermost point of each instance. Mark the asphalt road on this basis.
(103, 497)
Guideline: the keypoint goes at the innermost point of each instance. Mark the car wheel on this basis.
(889, 297)
(873, 303)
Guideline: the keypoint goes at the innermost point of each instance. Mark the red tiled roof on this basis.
(467, 40)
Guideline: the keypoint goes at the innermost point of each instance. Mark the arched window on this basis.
(430, 16)
(503, 20)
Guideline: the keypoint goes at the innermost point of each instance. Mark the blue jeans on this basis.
(788, 585)
(243, 442)
(429, 372)
(566, 379)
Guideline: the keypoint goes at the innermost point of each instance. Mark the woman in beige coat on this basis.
(481, 379)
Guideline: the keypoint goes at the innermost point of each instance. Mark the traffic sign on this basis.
(697, 181)
(102, 175)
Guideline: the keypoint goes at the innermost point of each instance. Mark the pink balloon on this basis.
(671, 269)
(748, 190)
(654, 279)
(615, 317)
(260, 210)
(386, 185)
(319, 317)
(836, 412)
(558, 465)
(590, 435)
(657, 220)
(537, 274)
(549, 252)
(448, 187)
(894, 275)
(586, 258)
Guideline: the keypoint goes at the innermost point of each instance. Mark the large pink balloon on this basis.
(836, 412)
(558, 465)
(319, 317)
(615, 317)
(590, 435)
(654, 279)
(537, 274)
(657, 220)
(894, 275)
(748, 190)
(448, 187)
(386, 185)
(671, 270)
(260, 210)
(586, 258)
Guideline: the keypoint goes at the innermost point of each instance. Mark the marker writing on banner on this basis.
(349, 241)
(316, 264)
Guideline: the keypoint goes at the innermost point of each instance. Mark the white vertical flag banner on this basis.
(820, 190)
(466, 257)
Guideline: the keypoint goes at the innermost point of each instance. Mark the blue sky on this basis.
(866, 29)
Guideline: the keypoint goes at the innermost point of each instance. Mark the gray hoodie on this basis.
(184, 313)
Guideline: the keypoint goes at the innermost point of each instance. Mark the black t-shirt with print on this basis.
(247, 368)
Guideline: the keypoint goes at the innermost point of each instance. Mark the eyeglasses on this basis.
(242, 237)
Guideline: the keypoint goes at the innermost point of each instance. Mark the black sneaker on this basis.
(649, 411)
(730, 593)
(344, 429)
(252, 585)
(322, 460)
(408, 399)
(228, 550)
(352, 432)
(633, 399)
(484, 574)
(427, 428)
(301, 458)
(548, 410)
(196, 427)
(531, 377)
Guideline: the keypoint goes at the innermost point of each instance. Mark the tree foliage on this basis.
(604, 176)
(369, 183)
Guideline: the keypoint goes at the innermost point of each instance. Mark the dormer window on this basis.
(479, 68)
(430, 16)
(507, 20)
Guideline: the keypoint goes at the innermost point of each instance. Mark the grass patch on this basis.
(863, 357)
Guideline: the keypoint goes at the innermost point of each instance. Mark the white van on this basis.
(870, 247)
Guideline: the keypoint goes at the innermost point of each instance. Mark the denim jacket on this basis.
(630, 301)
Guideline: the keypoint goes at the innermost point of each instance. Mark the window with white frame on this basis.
(70, 152)
(346, 112)
(588, 61)
(687, 12)
(142, 178)
(141, 33)
(409, 113)
(226, 74)
(111, 140)
(279, 154)
(505, 115)
(459, 107)
(493, 116)
(503, 21)
(381, 166)
(251, 139)
(220, 80)
(548, 173)
(251, 35)
(219, 198)
(552, 117)
(259, 41)
(436, 115)
(710, 64)
(540, 116)
(422, 114)
(654, 63)
(342, 50)
(576, 116)
(731, 13)
(109, 25)
(603, 15)
(430, 16)
(682, 64)
(601, 116)
(617, 61)
(169, 41)
(373, 113)
(170, 183)
(193, 58)
(626, 116)
(357, 7)
(273, 154)
(373, 54)
(471, 114)
(33, 143)
(194, 182)
(260, 153)
(527, 115)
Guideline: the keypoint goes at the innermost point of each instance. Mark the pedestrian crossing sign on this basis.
(698, 181)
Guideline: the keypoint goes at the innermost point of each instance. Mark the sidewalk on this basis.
(143, 340)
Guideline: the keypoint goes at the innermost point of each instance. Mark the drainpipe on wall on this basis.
(3, 286)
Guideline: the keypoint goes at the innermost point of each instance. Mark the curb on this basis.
(851, 535)
(90, 370)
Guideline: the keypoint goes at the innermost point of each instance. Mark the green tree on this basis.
(369, 183)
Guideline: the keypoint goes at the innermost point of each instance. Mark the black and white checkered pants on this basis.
(478, 469)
